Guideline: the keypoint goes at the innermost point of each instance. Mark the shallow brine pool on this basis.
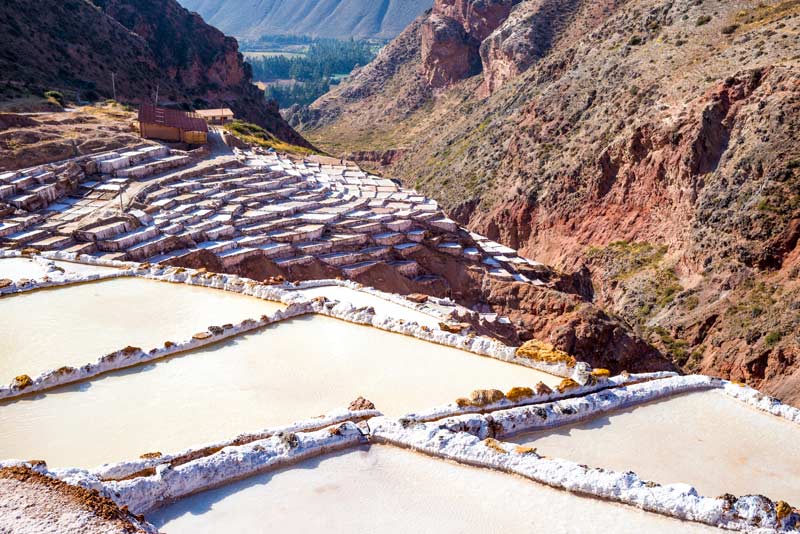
(286, 372)
(706, 439)
(382, 306)
(75, 325)
(387, 490)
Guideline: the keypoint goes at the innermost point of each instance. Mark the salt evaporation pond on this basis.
(19, 268)
(74, 325)
(706, 439)
(294, 370)
(382, 306)
(389, 490)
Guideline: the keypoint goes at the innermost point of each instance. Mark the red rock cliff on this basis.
(452, 35)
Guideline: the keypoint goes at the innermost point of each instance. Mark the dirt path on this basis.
(37, 504)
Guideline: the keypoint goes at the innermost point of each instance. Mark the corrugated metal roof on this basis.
(219, 112)
(182, 120)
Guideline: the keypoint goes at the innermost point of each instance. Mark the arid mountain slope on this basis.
(653, 142)
(76, 45)
(323, 18)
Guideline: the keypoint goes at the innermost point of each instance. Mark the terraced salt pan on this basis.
(706, 439)
(289, 371)
(385, 489)
(75, 325)
(382, 307)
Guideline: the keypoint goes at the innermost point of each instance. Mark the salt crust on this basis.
(452, 408)
(297, 305)
(143, 494)
(506, 422)
(125, 469)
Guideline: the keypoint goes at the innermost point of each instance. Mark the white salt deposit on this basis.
(19, 268)
(83, 268)
(383, 307)
(388, 490)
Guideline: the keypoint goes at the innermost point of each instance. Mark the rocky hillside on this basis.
(650, 145)
(340, 19)
(75, 45)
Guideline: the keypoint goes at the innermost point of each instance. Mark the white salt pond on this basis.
(74, 325)
(19, 268)
(388, 490)
(706, 439)
(286, 372)
(382, 307)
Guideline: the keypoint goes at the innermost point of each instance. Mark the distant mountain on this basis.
(250, 19)
(74, 46)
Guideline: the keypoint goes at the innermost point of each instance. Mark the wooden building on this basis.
(172, 125)
(216, 116)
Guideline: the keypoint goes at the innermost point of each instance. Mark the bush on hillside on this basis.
(56, 96)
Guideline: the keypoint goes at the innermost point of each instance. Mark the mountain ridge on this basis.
(150, 46)
(382, 19)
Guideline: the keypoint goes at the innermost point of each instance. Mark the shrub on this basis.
(702, 20)
(773, 338)
(729, 29)
(635, 40)
(54, 95)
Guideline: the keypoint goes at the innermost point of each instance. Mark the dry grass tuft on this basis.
(518, 393)
(783, 509)
(494, 445)
(601, 373)
(544, 352)
(567, 384)
(23, 381)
